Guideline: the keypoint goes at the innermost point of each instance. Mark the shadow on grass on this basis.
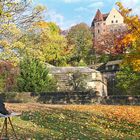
(59, 124)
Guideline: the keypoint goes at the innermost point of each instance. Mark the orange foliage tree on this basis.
(131, 40)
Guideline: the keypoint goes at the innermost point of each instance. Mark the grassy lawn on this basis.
(72, 122)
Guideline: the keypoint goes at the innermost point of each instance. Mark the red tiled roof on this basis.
(99, 17)
(105, 16)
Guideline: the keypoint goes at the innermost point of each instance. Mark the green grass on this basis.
(64, 124)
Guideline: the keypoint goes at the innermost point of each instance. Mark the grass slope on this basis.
(48, 122)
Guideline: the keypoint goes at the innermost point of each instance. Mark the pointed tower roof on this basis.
(98, 16)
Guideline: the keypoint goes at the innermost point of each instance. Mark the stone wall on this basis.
(69, 98)
(87, 98)
(121, 100)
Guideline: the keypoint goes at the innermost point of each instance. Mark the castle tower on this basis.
(104, 24)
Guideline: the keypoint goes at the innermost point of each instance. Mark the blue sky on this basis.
(67, 13)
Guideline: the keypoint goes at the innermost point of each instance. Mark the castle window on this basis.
(116, 21)
(106, 68)
(98, 31)
(98, 23)
(114, 16)
(104, 23)
(113, 67)
(112, 21)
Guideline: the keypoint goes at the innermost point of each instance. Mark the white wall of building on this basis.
(114, 17)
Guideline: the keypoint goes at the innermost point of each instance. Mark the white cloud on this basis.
(56, 17)
(75, 1)
(134, 4)
(91, 6)
(130, 3)
(60, 20)
(98, 4)
(137, 10)
(81, 9)
(71, 1)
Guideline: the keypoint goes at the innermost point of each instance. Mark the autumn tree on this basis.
(45, 42)
(107, 43)
(80, 37)
(16, 18)
(129, 76)
(8, 74)
(131, 40)
(24, 32)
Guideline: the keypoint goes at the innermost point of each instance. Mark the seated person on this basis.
(3, 110)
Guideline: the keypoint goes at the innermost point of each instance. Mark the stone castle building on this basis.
(107, 23)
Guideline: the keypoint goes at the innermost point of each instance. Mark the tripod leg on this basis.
(12, 128)
(2, 129)
(6, 128)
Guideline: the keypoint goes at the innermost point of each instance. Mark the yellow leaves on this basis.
(132, 38)
(124, 11)
(10, 31)
(4, 43)
(19, 45)
(82, 121)
(9, 53)
(119, 113)
(129, 38)
(131, 21)
(136, 64)
(40, 8)
(13, 29)
(41, 24)
(134, 61)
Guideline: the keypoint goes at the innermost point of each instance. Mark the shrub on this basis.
(34, 77)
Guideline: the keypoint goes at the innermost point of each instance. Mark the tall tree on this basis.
(15, 18)
(131, 39)
(24, 32)
(129, 76)
(80, 37)
(45, 40)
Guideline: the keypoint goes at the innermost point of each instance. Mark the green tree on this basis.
(45, 42)
(34, 77)
(80, 37)
(128, 80)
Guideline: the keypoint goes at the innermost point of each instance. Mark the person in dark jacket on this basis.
(3, 110)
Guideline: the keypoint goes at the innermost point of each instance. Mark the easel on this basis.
(5, 126)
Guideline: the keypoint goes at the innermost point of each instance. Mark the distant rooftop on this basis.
(102, 66)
